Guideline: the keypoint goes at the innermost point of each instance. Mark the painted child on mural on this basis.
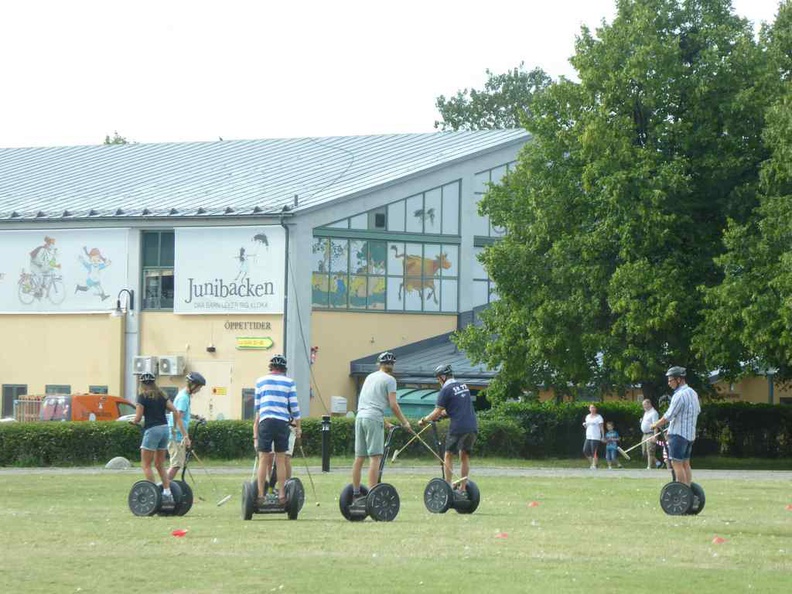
(93, 262)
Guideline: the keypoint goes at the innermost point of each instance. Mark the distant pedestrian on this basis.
(612, 445)
(594, 435)
(649, 417)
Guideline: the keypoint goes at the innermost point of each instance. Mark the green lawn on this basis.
(602, 533)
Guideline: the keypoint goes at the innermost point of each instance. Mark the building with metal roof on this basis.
(218, 255)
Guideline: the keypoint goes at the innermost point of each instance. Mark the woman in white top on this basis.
(593, 424)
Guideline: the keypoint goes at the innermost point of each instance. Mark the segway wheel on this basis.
(249, 494)
(345, 501)
(300, 490)
(294, 494)
(186, 498)
(144, 498)
(438, 496)
(383, 503)
(470, 502)
(676, 499)
(698, 499)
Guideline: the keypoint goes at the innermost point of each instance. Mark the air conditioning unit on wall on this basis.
(171, 365)
(146, 365)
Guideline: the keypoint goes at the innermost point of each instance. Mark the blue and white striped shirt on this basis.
(683, 412)
(276, 398)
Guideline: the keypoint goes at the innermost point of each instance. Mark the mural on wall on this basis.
(229, 269)
(61, 270)
(420, 274)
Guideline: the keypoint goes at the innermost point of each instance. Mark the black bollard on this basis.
(325, 443)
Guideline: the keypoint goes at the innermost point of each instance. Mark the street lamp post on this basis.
(130, 303)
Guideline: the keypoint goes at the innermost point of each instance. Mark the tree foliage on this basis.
(616, 209)
(748, 319)
(116, 139)
(503, 103)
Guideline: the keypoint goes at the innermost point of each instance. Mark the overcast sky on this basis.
(73, 71)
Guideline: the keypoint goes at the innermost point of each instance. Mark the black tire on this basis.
(382, 503)
(186, 498)
(438, 496)
(248, 500)
(676, 498)
(699, 499)
(294, 494)
(345, 500)
(144, 498)
(473, 498)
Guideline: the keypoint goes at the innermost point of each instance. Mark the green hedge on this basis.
(527, 430)
(739, 429)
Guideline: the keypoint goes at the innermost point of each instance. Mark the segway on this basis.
(381, 502)
(677, 499)
(295, 496)
(439, 496)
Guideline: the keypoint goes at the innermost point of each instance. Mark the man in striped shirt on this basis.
(276, 406)
(681, 417)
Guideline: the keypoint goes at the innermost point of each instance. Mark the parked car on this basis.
(84, 407)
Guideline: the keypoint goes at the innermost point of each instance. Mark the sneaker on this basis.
(593, 467)
(167, 499)
(648, 468)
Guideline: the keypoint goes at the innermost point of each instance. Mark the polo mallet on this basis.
(436, 455)
(310, 478)
(225, 499)
(623, 453)
(404, 447)
(639, 444)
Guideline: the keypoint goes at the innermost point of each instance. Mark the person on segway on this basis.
(276, 406)
(681, 418)
(378, 392)
(455, 401)
(152, 403)
(177, 450)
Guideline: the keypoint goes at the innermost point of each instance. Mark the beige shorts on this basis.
(177, 451)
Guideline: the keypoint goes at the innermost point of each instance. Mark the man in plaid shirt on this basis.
(681, 418)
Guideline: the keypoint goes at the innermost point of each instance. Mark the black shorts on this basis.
(463, 442)
(591, 447)
(273, 432)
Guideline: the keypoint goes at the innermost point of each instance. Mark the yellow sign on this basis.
(219, 391)
(253, 343)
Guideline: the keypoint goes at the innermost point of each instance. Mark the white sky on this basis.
(73, 71)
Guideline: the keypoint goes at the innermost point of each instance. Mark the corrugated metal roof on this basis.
(223, 178)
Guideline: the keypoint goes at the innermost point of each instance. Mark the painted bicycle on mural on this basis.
(33, 286)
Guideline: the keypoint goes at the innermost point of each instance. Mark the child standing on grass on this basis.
(611, 445)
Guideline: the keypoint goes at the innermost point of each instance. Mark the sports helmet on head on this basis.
(387, 358)
(444, 369)
(196, 378)
(278, 361)
(676, 371)
(147, 378)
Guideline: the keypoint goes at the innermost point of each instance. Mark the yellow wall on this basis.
(163, 333)
(345, 336)
(76, 350)
(753, 389)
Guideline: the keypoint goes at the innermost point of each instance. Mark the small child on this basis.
(611, 445)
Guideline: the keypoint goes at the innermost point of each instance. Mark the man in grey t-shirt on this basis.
(378, 392)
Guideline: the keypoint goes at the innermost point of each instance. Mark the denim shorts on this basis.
(155, 438)
(679, 448)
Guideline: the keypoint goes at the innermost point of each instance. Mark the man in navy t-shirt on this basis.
(455, 402)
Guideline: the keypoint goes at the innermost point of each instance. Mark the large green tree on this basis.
(618, 204)
(748, 322)
(503, 103)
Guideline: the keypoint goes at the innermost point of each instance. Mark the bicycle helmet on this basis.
(196, 378)
(147, 378)
(278, 361)
(676, 371)
(444, 369)
(387, 358)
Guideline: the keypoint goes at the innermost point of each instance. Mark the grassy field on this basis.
(73, 532)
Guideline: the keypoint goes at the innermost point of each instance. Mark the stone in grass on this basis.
(118, 463)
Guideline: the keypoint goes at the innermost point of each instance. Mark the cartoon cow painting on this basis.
(419, 273)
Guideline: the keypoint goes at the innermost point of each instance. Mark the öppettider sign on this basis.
(229, 270)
